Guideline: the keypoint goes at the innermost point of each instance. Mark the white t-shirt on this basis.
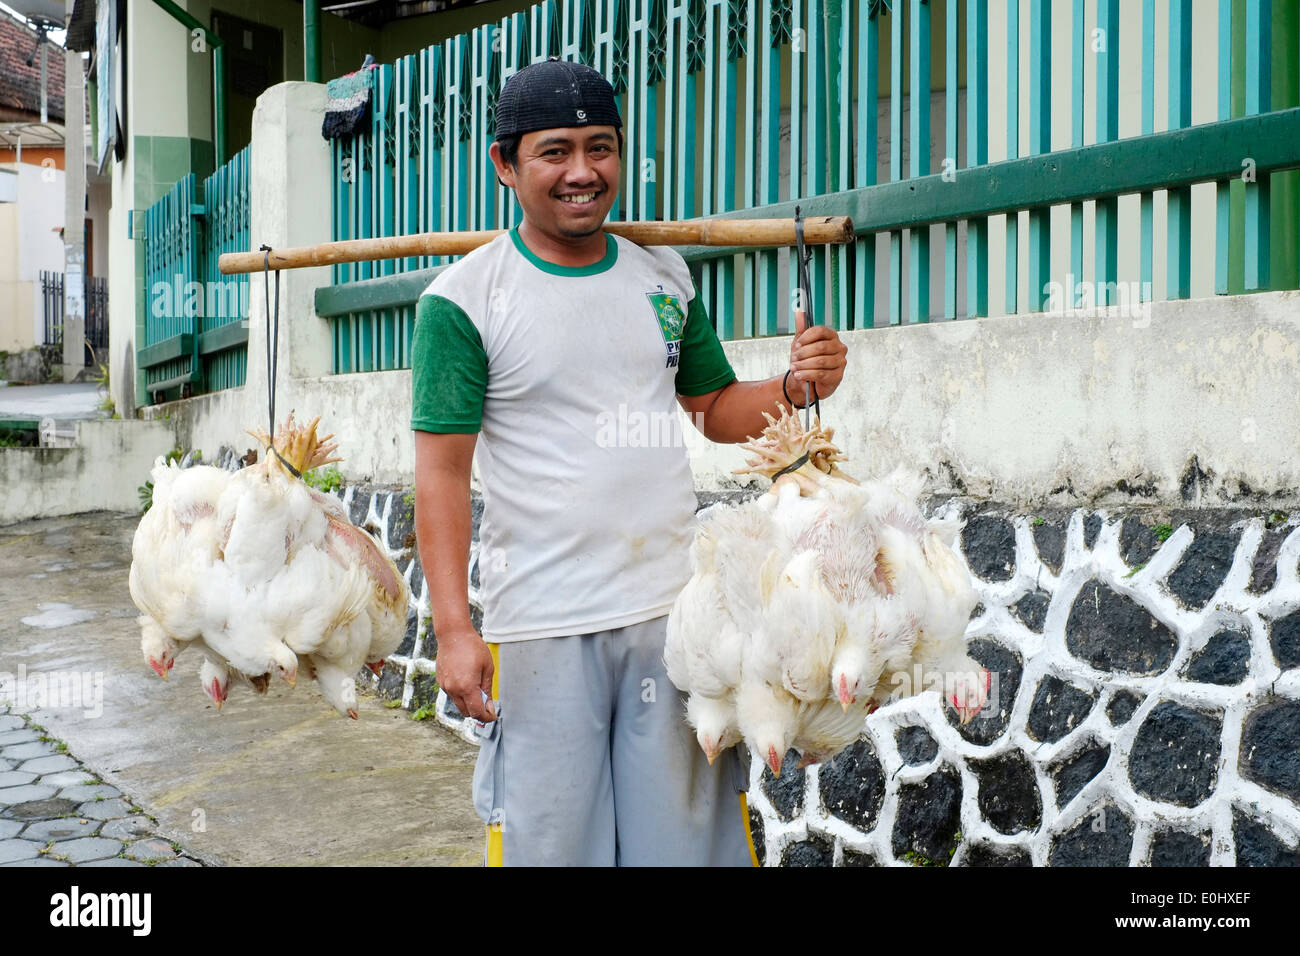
(570, 376)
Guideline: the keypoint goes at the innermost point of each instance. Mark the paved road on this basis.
(280, 779)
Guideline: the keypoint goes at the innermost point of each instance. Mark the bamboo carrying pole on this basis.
(819, 230)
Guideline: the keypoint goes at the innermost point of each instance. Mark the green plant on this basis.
(106, 403)
(408, 499)
(324, 479)
(393, 704)
(1163, 531)
(1136, 569)
(1037, 521)
(425, 712)
(145, 492)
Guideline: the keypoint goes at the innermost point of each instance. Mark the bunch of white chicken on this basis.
(263, 574)
(813, 604)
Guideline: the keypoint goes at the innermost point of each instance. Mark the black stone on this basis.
(1091, 528)
(976, 611)
(785, 792)
(853, 785)
(1176, 848)
(1032, 609)
(392, 682)
(1263, 569)
(994, 717)
(360, 507)
(1057, 709)
(989, 543)
(1175, 755)
(928, 818)
(756, 835)
(1137, 542)
(401, 523)
(417, 577)
(1257, 845)
(810, 852)
(1072, 774)
(1203, 567)
(1122, 706)
(424, 692)
(42, 809)
(1270, 747)
(1113, 633)
(1284, 637)
(412, 629)
(1008, 796)
(983, 854)
(854, 858)
(1049, 539)
(915, 745)
(1102, 837)
(1225, 659)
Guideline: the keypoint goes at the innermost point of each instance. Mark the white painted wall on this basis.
(110, 461)
(29, 244)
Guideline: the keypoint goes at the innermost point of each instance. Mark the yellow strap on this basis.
(749, 835)
(494, 847)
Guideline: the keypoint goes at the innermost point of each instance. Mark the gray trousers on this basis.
(591, 762)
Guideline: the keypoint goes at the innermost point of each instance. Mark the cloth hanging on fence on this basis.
(347, 103)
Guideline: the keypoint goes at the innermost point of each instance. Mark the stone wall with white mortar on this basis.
(1146, 709)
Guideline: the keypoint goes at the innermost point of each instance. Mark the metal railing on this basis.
(196, 320)
(742, 107)
(53, 306)
(94, 304)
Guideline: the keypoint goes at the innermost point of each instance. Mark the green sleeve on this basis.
(703, 366)
(448, 369)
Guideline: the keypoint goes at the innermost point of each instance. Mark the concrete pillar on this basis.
(289, 191)
(74, 217)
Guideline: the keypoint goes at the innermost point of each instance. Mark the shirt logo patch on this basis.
(672, 319)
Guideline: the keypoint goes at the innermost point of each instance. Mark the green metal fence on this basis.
(196, 320)
(742, 107)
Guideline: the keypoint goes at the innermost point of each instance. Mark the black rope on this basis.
(273, 350)
(805, 289)
(793, 466)
(790, 401)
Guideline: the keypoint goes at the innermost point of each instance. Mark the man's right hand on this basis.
(465, 672)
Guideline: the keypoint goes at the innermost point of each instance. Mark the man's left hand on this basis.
(817, 356)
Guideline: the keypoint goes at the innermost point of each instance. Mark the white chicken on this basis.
(263, 573)
(814, 603)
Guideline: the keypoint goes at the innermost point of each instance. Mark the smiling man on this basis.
(522, 349)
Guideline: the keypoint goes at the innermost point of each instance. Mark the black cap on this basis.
(555, 94)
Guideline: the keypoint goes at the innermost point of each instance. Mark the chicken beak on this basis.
(773, 761)
(158, 668)
(845, 697)
(290, 678)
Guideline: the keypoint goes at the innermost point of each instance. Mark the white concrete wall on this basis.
(29, 244)
(102, 473)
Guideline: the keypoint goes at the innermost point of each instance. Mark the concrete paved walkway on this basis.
(280, 779)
